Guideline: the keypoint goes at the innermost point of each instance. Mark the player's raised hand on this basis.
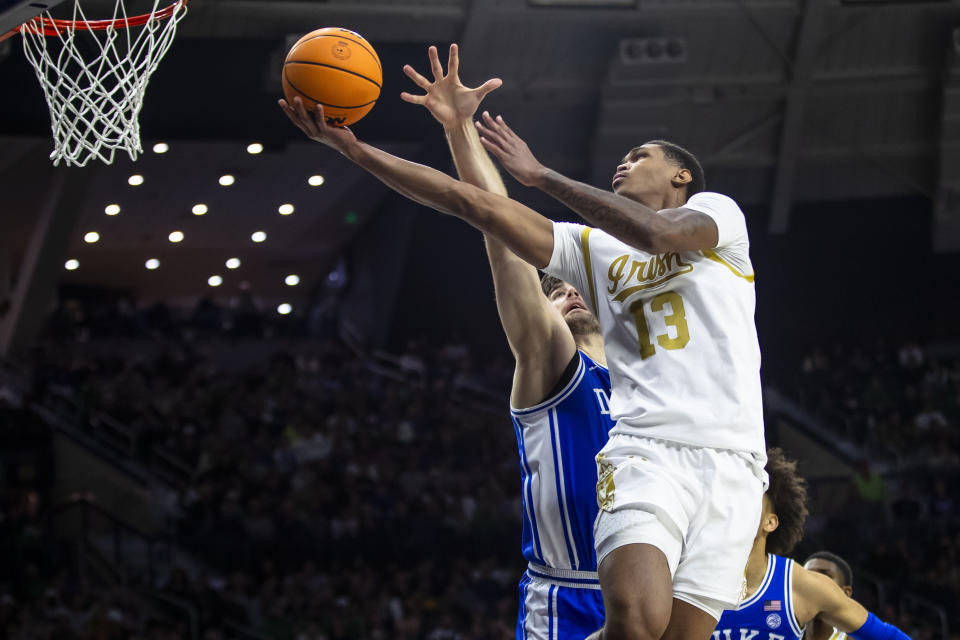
(447, 99)
(315, 125)
(510, 149)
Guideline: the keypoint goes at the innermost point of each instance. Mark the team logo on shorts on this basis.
(341, 50)
(605, 486)
(773, 620)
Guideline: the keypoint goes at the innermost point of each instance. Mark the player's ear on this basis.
(770, 522)
(681, 178)
(848, 590)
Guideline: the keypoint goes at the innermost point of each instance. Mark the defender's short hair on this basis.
(845, 571)
(788, 496)
(548, 283)
(685, 160)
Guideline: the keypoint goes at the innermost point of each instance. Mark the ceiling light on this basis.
(152, 264)
(233, 263)
(161, 147)
(135, 180)
(284, 308)
(315, 181)
(255, 148)
(214, 281)
(285, 209)
(199, 209)
(175, 236)
(258, 236)
(71, 264)
(226, 180)
(292, 280)
(90, 237)
(112, 209)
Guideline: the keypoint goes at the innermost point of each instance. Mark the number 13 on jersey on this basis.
(671, 305)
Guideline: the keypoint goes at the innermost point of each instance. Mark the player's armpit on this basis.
(687, 230)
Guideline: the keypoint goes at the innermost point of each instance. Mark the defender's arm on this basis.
(539, 338)
(817, 595)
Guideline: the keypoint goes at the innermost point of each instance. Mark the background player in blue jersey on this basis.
(781, 596)
(559, 401)
(837, 569)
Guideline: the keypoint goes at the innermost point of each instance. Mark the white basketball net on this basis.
(94, 80)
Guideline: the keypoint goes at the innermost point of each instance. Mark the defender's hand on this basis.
(315, 125)
(512, 152)
(447, 99)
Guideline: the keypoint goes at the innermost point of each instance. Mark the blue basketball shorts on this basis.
(558, 608)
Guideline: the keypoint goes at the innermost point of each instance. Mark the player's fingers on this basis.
(492, 147)
(300, 112)
(507, 131)
(409, 97)
(435, 65)
(453, 61)
(488, 86)
(289, 112)
(492, 125)
(418, 79)
(490, 134)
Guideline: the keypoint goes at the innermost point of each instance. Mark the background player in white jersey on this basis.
(838, 570)
(782, 597)
(682, 483)
(559, 400)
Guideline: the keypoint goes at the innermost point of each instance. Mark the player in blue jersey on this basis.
(837, 569)
(781, 596)
(559, 403)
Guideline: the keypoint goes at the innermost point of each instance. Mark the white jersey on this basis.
(678, 330)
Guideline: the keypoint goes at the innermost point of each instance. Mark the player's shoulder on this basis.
(713, 201)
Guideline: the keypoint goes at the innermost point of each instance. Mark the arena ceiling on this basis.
(785, 101)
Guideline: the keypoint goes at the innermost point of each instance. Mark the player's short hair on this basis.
(685, 160)
(845, 571)
(788, 496)
(548, 283)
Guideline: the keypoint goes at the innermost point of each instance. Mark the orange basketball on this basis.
(337, 68)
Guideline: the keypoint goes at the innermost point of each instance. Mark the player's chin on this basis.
(582, 322)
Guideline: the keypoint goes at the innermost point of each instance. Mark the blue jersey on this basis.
(559, 440)
(768, 613)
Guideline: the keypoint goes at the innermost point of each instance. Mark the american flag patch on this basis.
(771, 605)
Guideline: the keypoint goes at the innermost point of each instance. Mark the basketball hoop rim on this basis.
(54, 26)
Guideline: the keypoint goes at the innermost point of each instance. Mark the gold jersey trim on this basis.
(710, 253)
(585, 247)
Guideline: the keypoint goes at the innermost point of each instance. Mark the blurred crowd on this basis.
(331, 492)
(898, 516)
(900, 404)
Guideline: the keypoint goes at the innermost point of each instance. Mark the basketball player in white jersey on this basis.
(670, 281)
(560, 397)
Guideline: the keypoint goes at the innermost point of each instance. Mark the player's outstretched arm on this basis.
(539, 338)
(817, 595)
(627, 220)
(525, 232)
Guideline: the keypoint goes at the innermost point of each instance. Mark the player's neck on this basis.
(592, 345)
(756, 568)
(672, 199)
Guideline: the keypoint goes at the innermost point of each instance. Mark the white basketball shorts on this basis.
(700, 506)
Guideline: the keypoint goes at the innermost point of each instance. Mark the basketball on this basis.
(336, 68)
